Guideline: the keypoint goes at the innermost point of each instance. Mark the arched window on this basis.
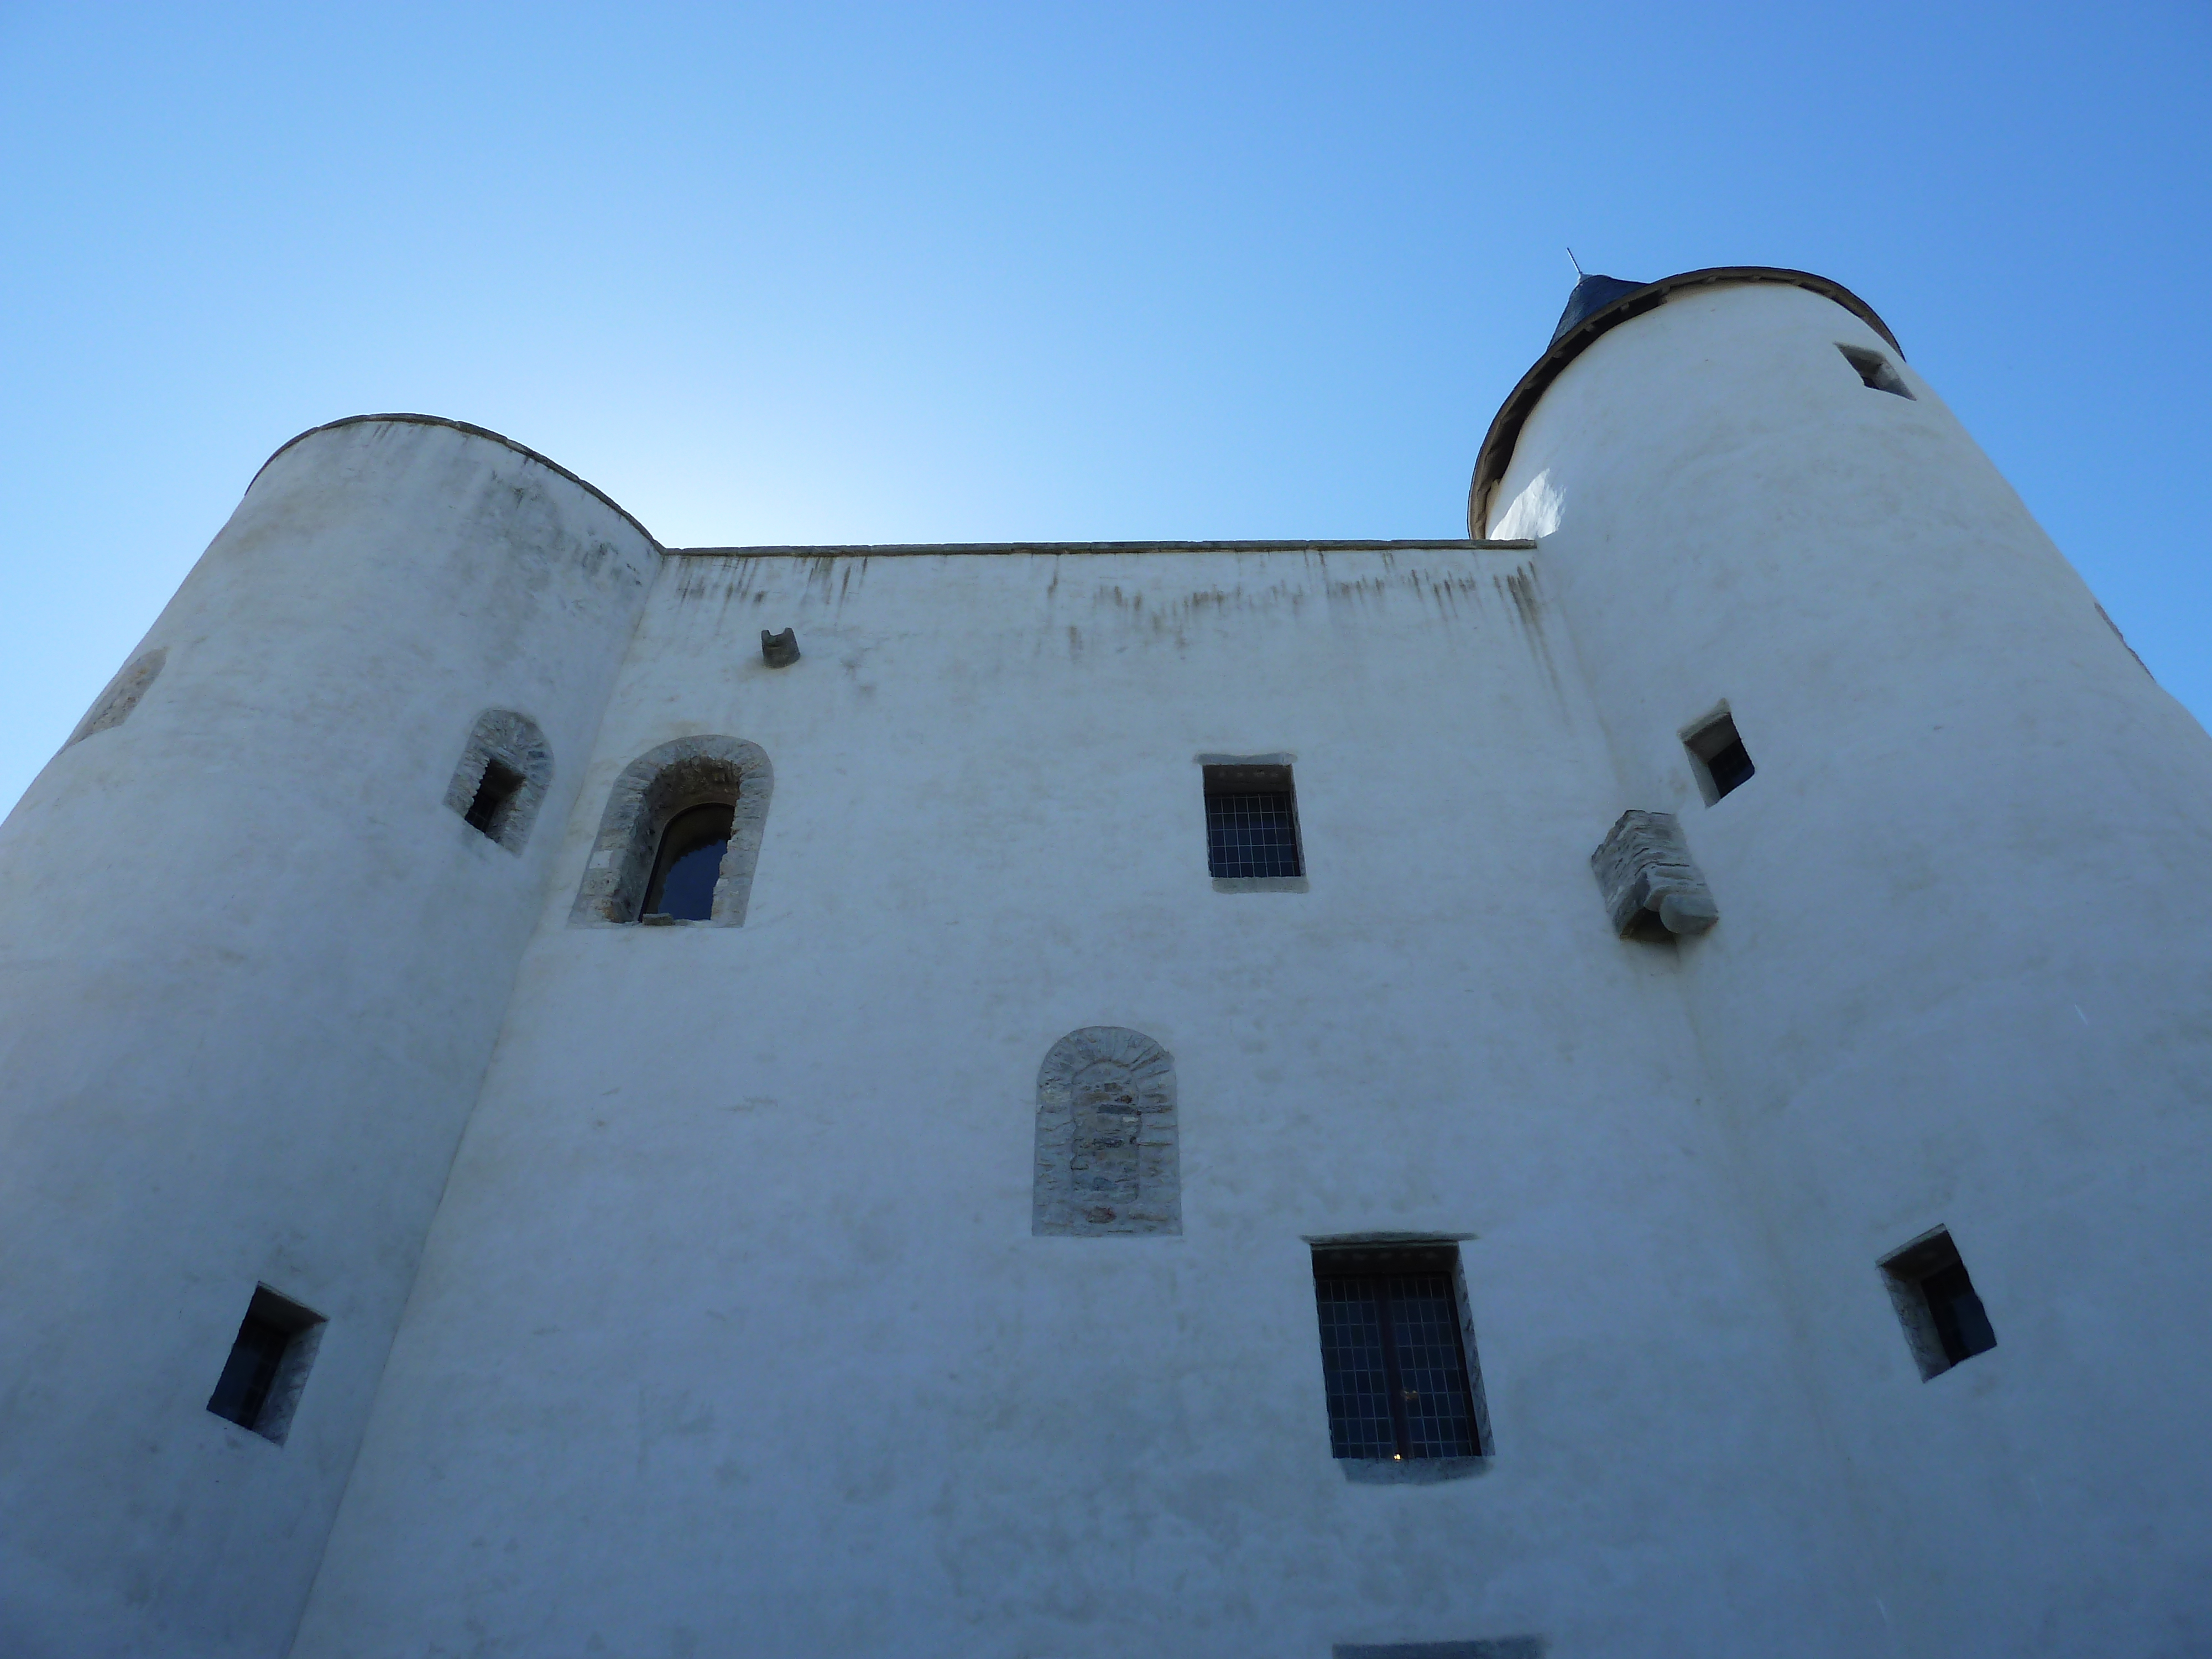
(1106, 1156)
(501, 779)
(680, 836)
(122, 695)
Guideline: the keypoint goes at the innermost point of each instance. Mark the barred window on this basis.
(1395, 1363)
(1251, 823)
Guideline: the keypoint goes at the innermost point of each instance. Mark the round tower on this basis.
(264, 911)
(1955, 1004)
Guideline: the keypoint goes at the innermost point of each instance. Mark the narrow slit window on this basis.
(1251, 824)
(1875, 371)
(1722, 763)
(494, 798)
(1395, 1362)
(690, 863)
(261, 1380)
(1944, 1320)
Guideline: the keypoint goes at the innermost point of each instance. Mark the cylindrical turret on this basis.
(265, 912)
(1960, 975)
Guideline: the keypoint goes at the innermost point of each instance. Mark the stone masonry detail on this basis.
(1652, 887)
(653, 789)
(515, 741)
(1106, 1152)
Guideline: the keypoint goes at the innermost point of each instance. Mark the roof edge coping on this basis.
(912, 550)
(524, 450)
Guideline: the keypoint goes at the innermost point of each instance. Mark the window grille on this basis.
(1251, 821)
(1393, 1364)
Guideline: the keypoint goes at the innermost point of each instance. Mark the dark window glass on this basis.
(690, 864)
(1961, 1325)
(1251, 821)
(1352, 1370)
(493, 795)
(1392, 1361)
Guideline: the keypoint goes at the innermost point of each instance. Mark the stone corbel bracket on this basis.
(1652, 888)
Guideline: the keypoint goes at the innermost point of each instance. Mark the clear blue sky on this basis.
(912, 273)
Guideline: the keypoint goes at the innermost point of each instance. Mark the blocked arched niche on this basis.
(505, 768)
(1106, 1156)
(114, 704)
(653, 789)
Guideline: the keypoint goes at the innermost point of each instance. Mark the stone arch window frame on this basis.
(122, 695)
(651, 790)
(1062, 1204)
(516, 742)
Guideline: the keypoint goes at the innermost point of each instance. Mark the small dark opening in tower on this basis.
(690, 863)
(1874, 369)
(1942, 1314)
(267, 1364)
(1251, 821)
(1722, 762)
(494, 796)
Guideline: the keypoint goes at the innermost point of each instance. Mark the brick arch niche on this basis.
(1106, 1140)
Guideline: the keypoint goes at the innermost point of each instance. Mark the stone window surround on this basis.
(1059, 1204)
(113, 705)
(515, 741)
(650, 790)
(1283, 757)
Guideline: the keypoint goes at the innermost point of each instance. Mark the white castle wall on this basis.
(732, 1336)
(252, 967)
(730, 1332)
(1962, 972)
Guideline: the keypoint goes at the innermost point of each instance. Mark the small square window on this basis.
(1395, 1361)
(1252, 823)
(1874, 370)
(1937, 1302)
(268, 1365)
(1718, 757)
(494, 798)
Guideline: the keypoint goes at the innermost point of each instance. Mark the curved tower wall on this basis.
(252, 969)
(1965, 955)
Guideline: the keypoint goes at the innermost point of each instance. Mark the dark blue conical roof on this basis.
(1593, 293)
